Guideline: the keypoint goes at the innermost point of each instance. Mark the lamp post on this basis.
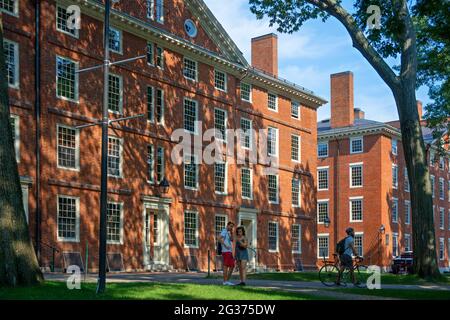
(163, 186)
(381, 231)
(326, 222)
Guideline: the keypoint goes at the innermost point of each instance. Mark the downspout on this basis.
(37, 83)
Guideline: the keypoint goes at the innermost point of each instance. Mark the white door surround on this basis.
(250, 216)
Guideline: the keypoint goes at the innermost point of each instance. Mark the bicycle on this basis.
(328, 273)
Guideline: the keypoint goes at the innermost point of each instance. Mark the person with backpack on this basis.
(225, 248)
(345, 249)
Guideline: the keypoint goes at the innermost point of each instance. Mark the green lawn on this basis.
(401, 293)
(167, 291)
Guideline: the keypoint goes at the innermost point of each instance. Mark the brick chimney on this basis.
(358, 113)
(265, 53)
(342, 113)
(419, 109)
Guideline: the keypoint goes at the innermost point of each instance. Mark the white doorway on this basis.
(248, 219)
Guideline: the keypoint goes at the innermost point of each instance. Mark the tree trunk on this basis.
(18, 262)
(424, 243)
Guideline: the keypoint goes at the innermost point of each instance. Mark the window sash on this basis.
(115, 40)
(190, 69)
(190, 115)
(296, 238)
(160, 164)
(322, 150)
(150, 164)
(272, 101)
(272, 139)
(62, 16)
(190, 172)
(115, 94)
(220, 80)
(295, 189)
(322, 211)
(273, 188)
(190, 229)
(67, 147)
(246, 183)
(68, 218)
(356, 175)
(10, 6)
(322, 179)
(295, 148)
(220, 177)
(356, 145)
(356, 210)
(295, 110)
(66, 78)
(246, 133)
(114, 222)
(114, 156)
(273, 236)
(220, 124)
(246, 92)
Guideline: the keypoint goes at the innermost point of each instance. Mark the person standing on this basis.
(225, 239)
(241, 253)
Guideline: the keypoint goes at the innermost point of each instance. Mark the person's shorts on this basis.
(228, 260)
(346, 261)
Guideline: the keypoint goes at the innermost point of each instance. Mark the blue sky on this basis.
(309, 56)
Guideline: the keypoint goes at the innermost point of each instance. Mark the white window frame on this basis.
(441, 248)
(225, 124)
(151, 166)
(189, 156)
(196, 116)
(394, 146)
(251, 183)
(163, 163)
(120, 112)
(351, 166)
(121, 223)
(408, 241)
(441, 215)
(195, 79)
(250, 134)
(120, 157)
(215, 226)
(432, 180)
(394, 200)
(277, 137)
(161, 67)
(321, 201)
(77, 219)
(322, 143)
(77, 32)
(394, 176)
(353, 139)
(299, 197)
(77, 148)
(76, 88)
(323, 235)
(16, 84)
(250, 92)
(408, 205)
(299, 148)
(155, 106)
(150, 9)
(407, 187)
(327, 168)
(351, 199)
(15, 12)
(293, 103)
(150, 46)
(159, 6)
(297, 250)
(362, 242)
(276, 101)
(225, 89)
(120, 40)
(277, 179)
(441, 194)
(277, 236)
(395, 240)
(196, 230)
(16, 133)
(225, 187)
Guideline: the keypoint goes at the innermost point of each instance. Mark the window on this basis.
(407, 242)
(322, 211)
(150, 164)
(68, 218)
(190, 115)
(220, 224)
(448, 190)
(441, 163)
(356, 175)
(322, 245)
(62, 16)
(246, 133)
(190, 172)
(150, 9)
(295, 148)
(150, 54)
(356, 145)
(432, 185)
(10, 6)
(394, 210)
(115, 93)
(150, 103)
(295, 190)
(359, 243)
(395, 244)
(160, 167)
(220, 124)
(159, 111)
(273, 236)
(405, 174)
(115, 40)
(441, 248)
(441, 218)
(190, 229)
(273, 188)
(295, 110)
(190, 69)
(296, 239)
(114, 222)
(448, 247)
(272, 101)
(394, 146)
(432, 158)
(68, 147)
(15, 130)
(11, 51)
(356, 209)
(160, 57)
(246, 183)
(155, 230)
(441, 188)
(66, 79)
(246, 92)
(272, 141)
(407, 212)
(394, 176)
(322, 149)
(322, 178)
(114, 157)
(220, 80)
(160, 11)
(220, 177)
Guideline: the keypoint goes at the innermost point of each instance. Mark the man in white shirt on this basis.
(226, 239)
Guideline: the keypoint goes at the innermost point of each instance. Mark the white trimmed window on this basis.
(114, 157)
(295, 148)
(272, 141)
(356, 175)
(115, 40)
(246, 92)
(441, 163)
(160, 11)
(68, 218)
(220, 124)
(115, 94)
(432, 185)
(68, 150)
(11, 51)
(322, 149)
(296, 238)
(448, 190)
(394, 210)
(66, 79)
(246, 183)
(190, 172)
(405, 174)
(407, 242)
(150, 9)
(159, 106)
(441, 248)
(62, 16)
(394, 176)
(394, 149)
(10, 7)
(220, 177)
(114, 223)
(273, 236)
(441, 188)
(432, 158)
(322, 211)
(190, 114)
(296, 191)
(160, 164)
(191, 229)
(160, 57)
(359, 243)
(190, 69)
(407, 212)
(150, 164)
(295, 110)
(356, 145)
(15, 130)
(246, 133)
(273, 188)
(220, 80)
(441, 218)
(395, 252)
(221, 221)
(322, 178)
(323, 245)
(272, 101)
(356, 209)
(150, 103)
(150, 54)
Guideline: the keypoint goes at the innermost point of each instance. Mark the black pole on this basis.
(101, 285)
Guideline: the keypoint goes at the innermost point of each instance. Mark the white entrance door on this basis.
(248, 220)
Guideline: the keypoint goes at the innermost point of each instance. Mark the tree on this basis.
(18, 262)
(395, 38)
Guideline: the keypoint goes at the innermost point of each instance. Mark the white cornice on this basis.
(349, 132)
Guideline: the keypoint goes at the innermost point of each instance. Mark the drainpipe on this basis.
(37, 83)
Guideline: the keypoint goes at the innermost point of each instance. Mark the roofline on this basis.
(353, 131)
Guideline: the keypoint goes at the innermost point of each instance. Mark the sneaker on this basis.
(228, 283)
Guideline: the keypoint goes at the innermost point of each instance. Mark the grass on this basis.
(401, 293)
(154, 291)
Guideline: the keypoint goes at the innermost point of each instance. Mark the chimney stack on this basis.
(419, 109)
(342, 113)
(265, 53)
(358, 113)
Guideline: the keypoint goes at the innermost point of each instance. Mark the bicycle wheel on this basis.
(361, 276)
(328, 275)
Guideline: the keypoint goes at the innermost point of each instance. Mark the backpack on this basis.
(340, 246)
(219, 248)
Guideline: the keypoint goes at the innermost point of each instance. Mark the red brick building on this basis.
(363, 183)
(192, 72)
